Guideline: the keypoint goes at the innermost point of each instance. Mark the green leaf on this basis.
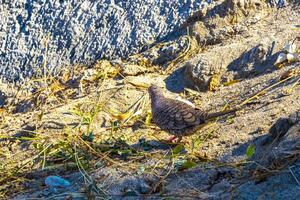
(178, 149)
(90, 137)
(250, 150)
(187, 165)
(197, 142)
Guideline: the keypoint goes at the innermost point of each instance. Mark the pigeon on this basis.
(176, 117)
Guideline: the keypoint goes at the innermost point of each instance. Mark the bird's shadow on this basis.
(177, 81)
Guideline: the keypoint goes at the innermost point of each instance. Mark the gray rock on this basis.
(280, 187)
(278, 3)
(42, 36)
(3, 99)
(279, 148)
(251, 62)
(278, 173)
(294, 117)
(200, 70)
(120, 184)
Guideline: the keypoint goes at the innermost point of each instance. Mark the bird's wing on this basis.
(180, 115)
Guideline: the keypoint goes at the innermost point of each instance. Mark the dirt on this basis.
(140, 164)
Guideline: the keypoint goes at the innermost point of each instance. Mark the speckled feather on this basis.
(176, 117)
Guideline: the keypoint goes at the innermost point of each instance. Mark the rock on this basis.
(220, 187)
(201, 70)
(278, 163)
(251, 62)
(226, 19)
(202, 34)
(64, 33)
(290, 48)
(282, 186)
(164, 53)
(278, 3)
(144, 188)
(132, 70)
(289, 54)
(118, 183)
(280, 148)
(294, 118)
(24, 106)
(3, 99)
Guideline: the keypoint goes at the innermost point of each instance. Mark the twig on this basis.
(264, 91)
(290, 169)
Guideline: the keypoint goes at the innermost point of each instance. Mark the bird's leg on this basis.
(172, 139)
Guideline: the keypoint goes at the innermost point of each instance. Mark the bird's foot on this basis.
(172, 139)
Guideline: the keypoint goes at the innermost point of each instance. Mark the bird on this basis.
(176, 117)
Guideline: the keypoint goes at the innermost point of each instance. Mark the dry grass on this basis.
(81, 147)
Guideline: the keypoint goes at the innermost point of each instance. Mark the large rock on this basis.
(38, 36)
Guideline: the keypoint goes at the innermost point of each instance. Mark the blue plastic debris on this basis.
(56, 182)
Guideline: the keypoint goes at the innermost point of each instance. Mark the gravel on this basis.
(46, 36)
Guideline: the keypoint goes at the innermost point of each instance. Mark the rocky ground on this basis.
(92, 126)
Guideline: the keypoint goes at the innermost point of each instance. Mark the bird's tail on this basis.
(209, 116)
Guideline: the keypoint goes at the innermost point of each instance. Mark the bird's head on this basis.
(155, 92)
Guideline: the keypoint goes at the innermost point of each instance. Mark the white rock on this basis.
(282, 57)
(290, 48)
(293, 57)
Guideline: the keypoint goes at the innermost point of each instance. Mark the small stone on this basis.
(294, 118)
(144, 188)
(200, 71)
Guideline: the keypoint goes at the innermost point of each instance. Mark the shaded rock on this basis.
(281, 151)
(281, 147)
(201, 69)
(294, 118)
(282, 186)
(220, 187)
(73, 191)
(120, 184)
(278, 3)
(24, 106)
(56, 181)
(251, 62)
(197, 182)
(3, 99)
